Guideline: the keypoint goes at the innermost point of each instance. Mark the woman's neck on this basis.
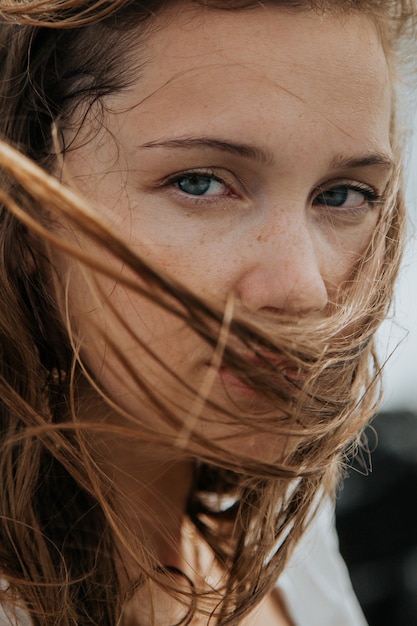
(151, 487)
(150, 483)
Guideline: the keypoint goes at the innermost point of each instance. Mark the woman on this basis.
(202, 222)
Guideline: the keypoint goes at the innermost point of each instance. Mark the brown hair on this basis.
(59, 526)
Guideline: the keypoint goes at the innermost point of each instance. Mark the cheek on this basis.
(104, 317)
(342, 248)
(105, 313)
(202, 263)
(129, 345)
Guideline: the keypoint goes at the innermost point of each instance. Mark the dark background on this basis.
(376, 518)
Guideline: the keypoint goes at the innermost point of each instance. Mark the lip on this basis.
(232, 382)
(295, 374)
(281, 365)
(290, 373)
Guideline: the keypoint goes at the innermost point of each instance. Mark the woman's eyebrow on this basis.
(242, 149)
(248, 151)
(380, 159)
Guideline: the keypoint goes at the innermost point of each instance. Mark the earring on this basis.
(58, 377)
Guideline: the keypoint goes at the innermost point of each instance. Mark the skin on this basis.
(272, 110)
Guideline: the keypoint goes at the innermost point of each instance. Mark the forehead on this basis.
(307, 37)
(265, 61)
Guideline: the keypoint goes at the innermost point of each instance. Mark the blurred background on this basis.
(376, 511)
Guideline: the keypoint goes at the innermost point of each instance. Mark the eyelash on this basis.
(208, 173)
(371, 196)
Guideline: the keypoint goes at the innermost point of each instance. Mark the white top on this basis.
(315, 585)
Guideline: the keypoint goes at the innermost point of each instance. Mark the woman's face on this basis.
(245, 159)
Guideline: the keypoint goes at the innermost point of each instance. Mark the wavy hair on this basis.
(60, 527)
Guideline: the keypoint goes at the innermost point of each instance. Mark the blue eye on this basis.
(345, 197)
(200, 185)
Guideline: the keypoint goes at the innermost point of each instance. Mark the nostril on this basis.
(282, 289)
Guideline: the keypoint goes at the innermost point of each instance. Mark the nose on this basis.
(284, 270)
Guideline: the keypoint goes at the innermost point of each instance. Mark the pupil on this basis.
(195, 185)
(335, 197)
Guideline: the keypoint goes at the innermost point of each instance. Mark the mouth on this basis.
(285, 368)
(286, 374)
(234, 384)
